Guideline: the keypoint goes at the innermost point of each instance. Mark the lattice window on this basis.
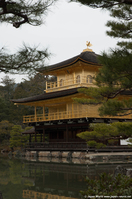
(61, 82)
(89, 79)
(78, 79)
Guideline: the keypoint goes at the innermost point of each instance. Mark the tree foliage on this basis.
(102, 134)
(23, 11)
(108, 185)
(17, 139)
(35, 85)
(103, 3)
(27, 59)
(5, 128)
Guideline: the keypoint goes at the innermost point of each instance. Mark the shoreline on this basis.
(74, 157)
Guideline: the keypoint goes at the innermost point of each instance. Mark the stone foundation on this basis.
(56, 154)
(31, 154)
(44, 154)
(79, 155)
(66, 154)
(74, 157)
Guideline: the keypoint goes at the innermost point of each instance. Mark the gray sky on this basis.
(67, 28)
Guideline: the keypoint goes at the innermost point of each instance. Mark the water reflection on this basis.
(21, 179)
(38, 195)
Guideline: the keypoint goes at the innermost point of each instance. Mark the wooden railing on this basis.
(68, 82)
(83, 113)
(58, 116)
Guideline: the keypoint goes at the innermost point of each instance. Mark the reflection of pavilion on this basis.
(56, 180)
(38, 195)
(59, 181)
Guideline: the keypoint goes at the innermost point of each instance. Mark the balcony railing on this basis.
(66, 115)
(57, 116)
(68, 82)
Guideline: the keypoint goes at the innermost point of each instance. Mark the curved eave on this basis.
(43, 97)
(85, 59)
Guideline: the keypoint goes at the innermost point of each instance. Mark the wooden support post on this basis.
(58, 114)
(57, 135)
(41, 137)
(72, 111)
(74, 78)
(83, 79)
(35, 114)
(66, 133)
(35, 137)
(67, 110)
(46, 85)
(44, 113)
(58, 83)
(30, 138)
(43, 134)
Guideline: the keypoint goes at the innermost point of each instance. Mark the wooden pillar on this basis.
(35, 114)
(67, 110)
(74, 134)
(30, 138)
(82, 79)
(35, 137)
(41, 137)
(66, 138)
(58, 117)
(58, 83)
(65, 83)
(72, 111)
(46, 85)
(43, 134)
(35, 134)
(57, 134)
(44, 113)
(48, 113)
(74, 78)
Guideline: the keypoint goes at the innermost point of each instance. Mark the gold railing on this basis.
(66, 115)
(39, 195)
(67, 82)
(56, 116)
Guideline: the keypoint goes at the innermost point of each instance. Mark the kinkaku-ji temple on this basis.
(61, 118)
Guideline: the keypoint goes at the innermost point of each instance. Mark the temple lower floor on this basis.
(61, 135)
(58, 133)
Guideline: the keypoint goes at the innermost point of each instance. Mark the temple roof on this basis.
(87, 57)
(53, 95)
(46, 96)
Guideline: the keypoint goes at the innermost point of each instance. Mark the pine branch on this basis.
(23, 12)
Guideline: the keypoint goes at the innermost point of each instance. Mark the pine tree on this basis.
(102, 134)
(23, 11)
(26, 59)
(103, 3)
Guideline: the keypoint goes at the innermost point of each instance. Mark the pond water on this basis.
(20, 178)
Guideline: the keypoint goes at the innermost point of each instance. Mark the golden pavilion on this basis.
(61, 118)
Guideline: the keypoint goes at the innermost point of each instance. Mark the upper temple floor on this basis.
(79, 71)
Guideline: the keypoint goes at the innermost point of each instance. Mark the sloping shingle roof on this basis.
(87, 57)
(46, 96)
(56, 94)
